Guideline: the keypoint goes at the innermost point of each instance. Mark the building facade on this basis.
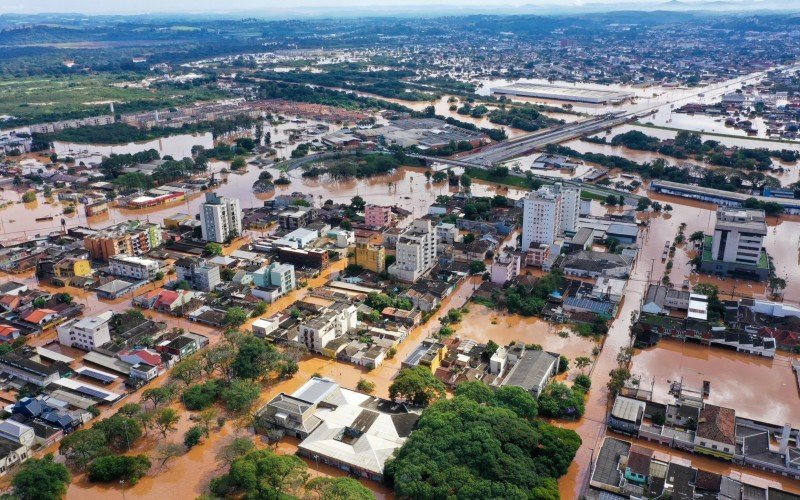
(378, 216)
(220, 218)
(199, 273)
(737, 246)
(415, 251)
(541, 219)
(87, 333)
(130, 266)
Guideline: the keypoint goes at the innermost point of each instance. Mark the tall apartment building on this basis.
(737, 246)
(570, 207)
(377, 216)
(130, 266)
(541, 219)
(86, 333)
(198, 272)
(220, 218)
(275, 275)
(415, 251)
(369, 256)
(131, 238)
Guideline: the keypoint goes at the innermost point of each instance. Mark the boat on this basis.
(43, 219)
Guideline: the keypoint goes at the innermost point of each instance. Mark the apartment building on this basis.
(737, 246)
(131, 238)
(86, 333)
(378, 216)
(220, 218)
(275, 275)
(505, 267)
(369, 256)
(198, 272)
(333, 322)
(130, 266)
(541, 219)
(415, 251)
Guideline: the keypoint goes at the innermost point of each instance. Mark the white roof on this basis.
(698, 307)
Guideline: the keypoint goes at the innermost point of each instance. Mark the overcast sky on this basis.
(147, 6)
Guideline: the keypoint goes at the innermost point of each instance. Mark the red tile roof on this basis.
(717, 424)
(37, 315)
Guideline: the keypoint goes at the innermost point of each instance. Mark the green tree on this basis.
(238, 163)
(119, 467)
(477, 267)
(365, 385)
(416, 385)
(262, 474)
(584, 382)
(212, 249)
(201, 396)
(29, 197)
(697, 236)
(41, 479)
(358, 204)
(517, 400)
(194, 436)
(466, 181)
(121, 432)
(159, 395)
(338, 488)
(166, 421)
(476, 391)
(83, 446)
(776, 284)
(558, 400)
(240, 396)
(235, 317)
(582, 362)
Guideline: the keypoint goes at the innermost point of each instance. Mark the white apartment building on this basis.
(415, 251)
(201, 274)
(86, 333)
(505, 267)
(570, 207)
(129, 266)
(332, 323)
(541, 219)
(220, 218)
(737, 244)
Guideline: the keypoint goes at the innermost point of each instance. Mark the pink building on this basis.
(377, 216)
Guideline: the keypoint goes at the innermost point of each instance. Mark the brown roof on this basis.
(708, 481)
(639, 460)
(717, 424)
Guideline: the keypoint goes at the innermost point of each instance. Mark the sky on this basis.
(215, 6)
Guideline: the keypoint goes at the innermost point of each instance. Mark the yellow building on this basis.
(71, 268)
(370, 257)
(429, 353)
(173, 221)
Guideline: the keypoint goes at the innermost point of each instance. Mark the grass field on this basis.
(38, 100)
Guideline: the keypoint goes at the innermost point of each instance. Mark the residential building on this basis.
(533, 371)
(273, 281)
(131, 266)
(316, 258)
(295, 217)
(716, 432)
(415, 251)
(541, 219)
(429, 353)
(378, 216)
(28, 370)
(447, 233)
(86, 333)
(626, 415)
(369, 256)
(131, 238)
(331, 323)
(737, 246)
(298, 238)
(505, 267)
(537, 254)
(200, 274)
(345, 429)
(610, 289)
(570, 208)
(220, 218)
(591, 264)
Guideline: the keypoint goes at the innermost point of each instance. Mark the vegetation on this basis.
(474, 448)
(526, 117)
(416, 385)
(119, 467)
(558, 400)
(29, 196)
(359, 166)
(212, 249)
(41, 479)
(531, 302)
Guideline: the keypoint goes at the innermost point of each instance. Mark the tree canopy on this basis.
(473, 448)
(41, 479)
(416, 385)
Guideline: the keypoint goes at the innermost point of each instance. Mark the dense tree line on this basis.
(525, 117)
(482, 444)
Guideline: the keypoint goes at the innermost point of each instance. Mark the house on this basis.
(655, 299)
(610, 289)
(8, 333)
(533, 371)
(626, 415)
(637, 470)
(350, 431)
(13, 288)
(29, 370)
(505, 267)
(428, 353)
(407, 318)
(144, 371)
(137, 356)
(333, 322)
(716, 432)
(40, 317)
(18, 433)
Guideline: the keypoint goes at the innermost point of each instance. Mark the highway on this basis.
(501, 151)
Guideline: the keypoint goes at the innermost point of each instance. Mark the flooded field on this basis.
(483, 324)
(758, 388)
